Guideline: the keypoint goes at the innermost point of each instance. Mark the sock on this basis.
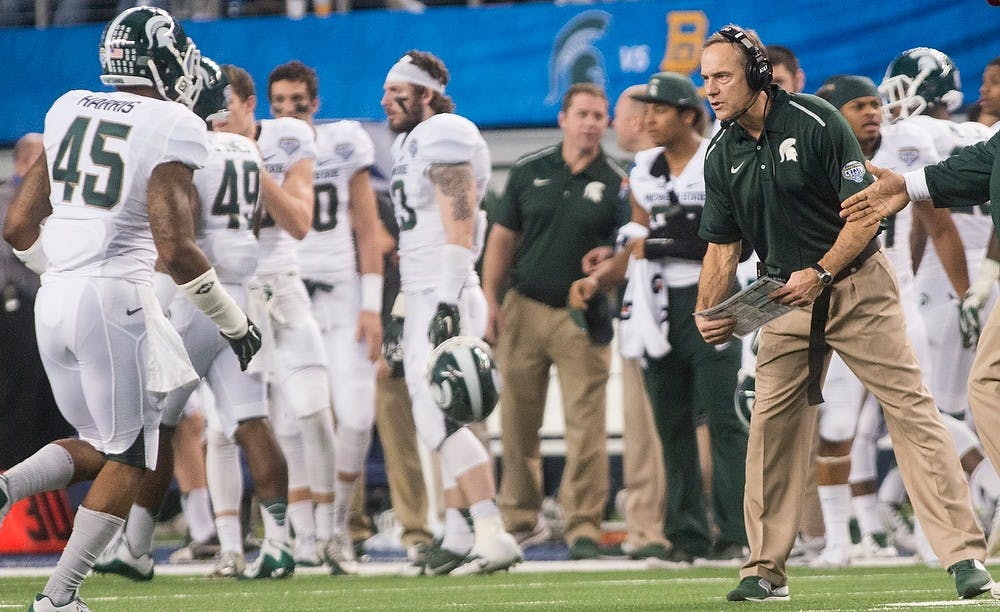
(484, 509)
(92, 531)
(344, 493)
(866, 509)
(273, 511)
(49, 469)
(139, 530)
(836, 503)
(457, 535)
(230, 538)
(303, 521)
(324, 520)
(198, 512)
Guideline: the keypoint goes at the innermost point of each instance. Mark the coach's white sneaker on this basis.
(4, 498)
(338, 553)
(44, 604)
(493, 550)
(118, 559)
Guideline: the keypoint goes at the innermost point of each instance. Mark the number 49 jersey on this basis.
(228, 188)
(443, 138)
(101, 149)
(327, 252)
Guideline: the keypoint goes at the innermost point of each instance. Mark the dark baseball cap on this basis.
(670, 88)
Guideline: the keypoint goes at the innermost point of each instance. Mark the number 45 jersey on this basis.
(228, 188)
(327, 253)
(101, 149)
(444, 138)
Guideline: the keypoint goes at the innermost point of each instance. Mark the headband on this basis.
(405, 70)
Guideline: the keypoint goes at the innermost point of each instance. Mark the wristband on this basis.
(916, 186)
(207, 294)
(33, 256)
(371, 292)
(456, 263)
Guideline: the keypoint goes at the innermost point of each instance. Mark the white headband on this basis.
(408, 72)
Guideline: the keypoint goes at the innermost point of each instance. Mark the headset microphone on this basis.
(729, 122)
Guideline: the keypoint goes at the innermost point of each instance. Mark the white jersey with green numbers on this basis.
(446, 139)
(101, 149)
(904, 147)
(327, 252)
(652, 191)
(282, 143)
(228, 189)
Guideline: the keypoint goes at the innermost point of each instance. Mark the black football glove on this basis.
(247, 345)
(444, 324)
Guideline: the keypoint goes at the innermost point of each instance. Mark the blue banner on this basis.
(510, 65)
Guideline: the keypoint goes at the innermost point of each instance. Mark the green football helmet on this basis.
(213, 101)
(464, 380)
(744, 397)
(147, 46)
(917, 79)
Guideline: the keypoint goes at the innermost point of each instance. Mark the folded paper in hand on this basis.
(751, 307)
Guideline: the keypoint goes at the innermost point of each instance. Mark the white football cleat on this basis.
(44, 604)
(117, 558)
(493, 550)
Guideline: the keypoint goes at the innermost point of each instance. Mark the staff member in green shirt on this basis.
(970, 176)
(560, 203)
(774, 175)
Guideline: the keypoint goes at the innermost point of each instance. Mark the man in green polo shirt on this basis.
(560, 203)
(972, 175)
(774, 175)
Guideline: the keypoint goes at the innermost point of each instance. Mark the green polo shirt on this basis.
(971, 175)
(560, 217)
(782, 192)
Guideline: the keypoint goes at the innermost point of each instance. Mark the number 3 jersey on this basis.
(327, 252)
(282, 142)
(228, 188)
(441, 139)
(101, 149)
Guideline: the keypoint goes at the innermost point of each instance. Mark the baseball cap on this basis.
(670, 88)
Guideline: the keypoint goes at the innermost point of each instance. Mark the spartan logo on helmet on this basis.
(919, 78)
(574, 57)
(464, 380)
(146, 46)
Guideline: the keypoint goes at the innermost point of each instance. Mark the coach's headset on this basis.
(758, 68)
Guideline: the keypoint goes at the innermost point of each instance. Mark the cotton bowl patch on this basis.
(854, 171)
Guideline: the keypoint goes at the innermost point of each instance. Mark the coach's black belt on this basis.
(818, 347)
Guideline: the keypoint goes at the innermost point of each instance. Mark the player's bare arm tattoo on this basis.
(455, 181)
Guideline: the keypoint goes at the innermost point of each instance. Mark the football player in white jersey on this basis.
(299, 393)
(441, 166)
(685, 376)
(228, 188)
(922, 86)
(114, 182)
(848, 410)
(346, 305)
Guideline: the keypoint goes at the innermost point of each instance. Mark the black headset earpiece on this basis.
(758, 67)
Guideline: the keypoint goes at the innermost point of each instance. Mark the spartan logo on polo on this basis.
(908, 155)
(289, 145)
(787, 152)
(853, 171)
(594, 191)
(574, 58)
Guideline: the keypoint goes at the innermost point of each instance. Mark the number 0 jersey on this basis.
(282, 143)
(327, 252)
(444, 138)
(228, 188)
(101, 149)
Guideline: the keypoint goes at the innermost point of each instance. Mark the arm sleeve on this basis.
(964, 178)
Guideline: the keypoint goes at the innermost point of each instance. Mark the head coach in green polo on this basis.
(775, 175)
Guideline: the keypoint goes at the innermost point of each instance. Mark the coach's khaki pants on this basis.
(394, 419)
(984, 386)
(866, 327)
(534, 337)
(642, 462)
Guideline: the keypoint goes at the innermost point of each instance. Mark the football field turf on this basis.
(912, 587)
